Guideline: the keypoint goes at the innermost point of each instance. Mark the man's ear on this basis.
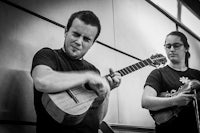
(66, 30)
(65, 33)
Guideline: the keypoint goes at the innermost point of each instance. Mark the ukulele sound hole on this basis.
(87, 86)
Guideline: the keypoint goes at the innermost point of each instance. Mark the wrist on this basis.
(88, 76)
(173, 101)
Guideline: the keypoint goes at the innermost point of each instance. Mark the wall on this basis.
(132, 26)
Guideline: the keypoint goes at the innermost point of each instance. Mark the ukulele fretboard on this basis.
(135, 67)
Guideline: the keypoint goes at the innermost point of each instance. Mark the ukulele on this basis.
(164, 115)
(69, 107)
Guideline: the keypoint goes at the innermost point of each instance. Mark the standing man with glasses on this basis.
(169, 91)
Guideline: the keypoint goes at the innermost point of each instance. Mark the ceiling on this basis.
(193, 5)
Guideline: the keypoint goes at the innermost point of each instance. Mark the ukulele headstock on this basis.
(158, 59)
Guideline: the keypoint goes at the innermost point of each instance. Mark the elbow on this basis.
(144, 104)
(147, 106)
(40, 85)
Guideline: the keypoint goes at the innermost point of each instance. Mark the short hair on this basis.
(88, 17)
(185, 43)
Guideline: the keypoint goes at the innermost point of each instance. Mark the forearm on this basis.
(157, 103)
(53, 81)
(103, 108)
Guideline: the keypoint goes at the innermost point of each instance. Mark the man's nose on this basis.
(172, 48)
(79, 40)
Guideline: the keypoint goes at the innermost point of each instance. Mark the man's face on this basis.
(79, 38)
(175, 49)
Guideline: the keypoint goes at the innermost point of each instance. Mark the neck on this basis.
(178, 67)
(68, 55)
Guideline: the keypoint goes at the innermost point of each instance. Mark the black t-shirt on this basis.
(169, 80)
(59, 61)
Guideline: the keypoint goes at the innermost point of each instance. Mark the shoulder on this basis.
(164, 69)
(44, 50)
(159, 72)
(45, 53)
(44, 56)
(194, 72)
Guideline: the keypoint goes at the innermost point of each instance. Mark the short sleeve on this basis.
(45, 56)
(154, 80)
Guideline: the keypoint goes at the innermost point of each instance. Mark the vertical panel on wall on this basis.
(140, 30)
(22, 34)
(190, 20)
(140, 27)
(15, 81)
(104, 59)
(194, 49)
(60, 10)
(169, 6)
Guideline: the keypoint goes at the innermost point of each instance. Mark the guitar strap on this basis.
(196, 109)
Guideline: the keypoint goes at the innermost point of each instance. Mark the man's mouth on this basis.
(75, 48)
(172, 55)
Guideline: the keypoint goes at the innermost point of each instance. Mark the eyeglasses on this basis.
(175, 45)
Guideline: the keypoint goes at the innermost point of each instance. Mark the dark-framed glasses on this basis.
(175, 45)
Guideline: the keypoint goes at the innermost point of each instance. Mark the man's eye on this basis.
(176, 45)
(86, 39)
(76, 34)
